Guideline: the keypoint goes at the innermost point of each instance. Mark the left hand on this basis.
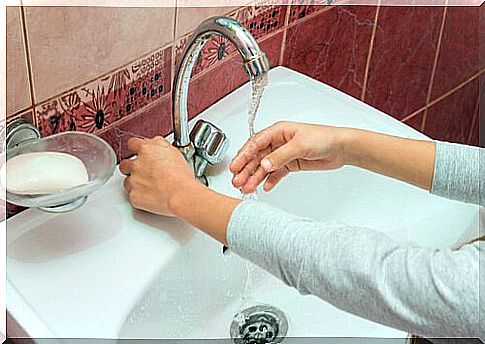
(156, 175)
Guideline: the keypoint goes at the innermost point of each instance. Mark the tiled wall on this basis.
(109, 71)
(418, 64)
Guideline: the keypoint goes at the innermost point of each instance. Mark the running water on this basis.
(257, 88)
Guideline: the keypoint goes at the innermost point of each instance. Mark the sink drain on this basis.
(260, 324)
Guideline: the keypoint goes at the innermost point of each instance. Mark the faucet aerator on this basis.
(257, 66)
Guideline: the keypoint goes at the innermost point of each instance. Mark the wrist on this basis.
(350, 139)
(180, 196)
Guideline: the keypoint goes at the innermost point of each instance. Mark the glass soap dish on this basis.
(97, 156)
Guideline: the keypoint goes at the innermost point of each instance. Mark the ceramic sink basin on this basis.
(108, 271)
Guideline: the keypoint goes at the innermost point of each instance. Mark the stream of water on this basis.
(258, 86)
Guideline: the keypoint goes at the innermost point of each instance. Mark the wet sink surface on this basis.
(109, 271)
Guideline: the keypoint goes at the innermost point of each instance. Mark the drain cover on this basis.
(261, 324)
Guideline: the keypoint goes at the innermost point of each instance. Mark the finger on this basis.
(281, 157)
(126, 166)
(127, 184)
(241, 178)
(250, 149)
(255, 179)
(135, 143)
(245, 154)
(274, 178)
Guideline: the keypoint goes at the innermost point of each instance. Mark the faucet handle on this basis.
(209, 141)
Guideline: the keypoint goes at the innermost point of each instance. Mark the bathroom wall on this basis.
(108, 71)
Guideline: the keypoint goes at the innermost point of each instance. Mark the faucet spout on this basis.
(255, 64)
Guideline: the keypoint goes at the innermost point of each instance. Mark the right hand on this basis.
(287, 147)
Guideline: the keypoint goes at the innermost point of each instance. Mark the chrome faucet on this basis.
(206, 144)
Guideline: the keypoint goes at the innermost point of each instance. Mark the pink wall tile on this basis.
(458, 58)
(72, 45)
(102, 102)
(402, 58)
(332, 46)
(18, 85)
(451, 118)
(189, 17)
(153, 121)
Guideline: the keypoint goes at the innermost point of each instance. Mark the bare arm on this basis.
(411, 161)
(288, 147)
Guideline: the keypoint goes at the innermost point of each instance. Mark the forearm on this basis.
(411, 161)
(205, 209)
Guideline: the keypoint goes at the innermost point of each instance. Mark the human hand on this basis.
(287, 147)
(154, 177)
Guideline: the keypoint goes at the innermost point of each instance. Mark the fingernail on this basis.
(266, 164)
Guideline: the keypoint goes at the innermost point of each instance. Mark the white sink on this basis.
(107, 271)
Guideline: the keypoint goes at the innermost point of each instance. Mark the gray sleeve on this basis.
(459, 173)
(423, 291)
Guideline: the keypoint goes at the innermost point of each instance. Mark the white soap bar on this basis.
(42, 173)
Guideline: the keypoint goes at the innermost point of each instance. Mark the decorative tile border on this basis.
(261, 21)
(102, 102)
(298, 11)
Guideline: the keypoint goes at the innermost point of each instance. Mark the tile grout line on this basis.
(19, 112)
(440, 98)
(433, 71)
(369, 56)
(283, 42)
(456, 88)
(29, 63)
(414, 114)
(174, 38)
(443, 96)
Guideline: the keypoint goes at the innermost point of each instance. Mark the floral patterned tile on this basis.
(102, 102)
(155, 120)
(215, 50)
(260, 21)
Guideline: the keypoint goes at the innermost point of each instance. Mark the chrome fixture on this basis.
(259, 324)
(206, 144)
(18, 132)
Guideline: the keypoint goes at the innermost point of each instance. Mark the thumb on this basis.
(281, 156)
